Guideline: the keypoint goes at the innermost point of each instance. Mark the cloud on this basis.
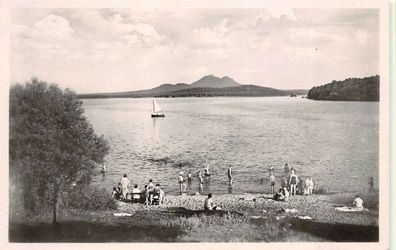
(281, 13)
(211, 37)
(311, 37)
(52, 27)
(116, 50)
(137, 34)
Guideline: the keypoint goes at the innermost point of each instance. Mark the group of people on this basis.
(201, 174)
(290, 184)
(151, 194)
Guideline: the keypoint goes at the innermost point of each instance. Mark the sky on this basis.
(111, 50)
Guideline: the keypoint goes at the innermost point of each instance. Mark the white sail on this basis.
(156, 107)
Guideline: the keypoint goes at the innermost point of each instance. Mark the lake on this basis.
(337, 143)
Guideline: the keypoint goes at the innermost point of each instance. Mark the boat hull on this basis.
(157, 115)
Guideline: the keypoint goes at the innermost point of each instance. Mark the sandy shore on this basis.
(321, 208)
(245, 218)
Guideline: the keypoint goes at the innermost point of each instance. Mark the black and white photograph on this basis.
(188, 122)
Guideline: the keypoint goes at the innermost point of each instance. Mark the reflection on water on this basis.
(334, 142)
(229, 188)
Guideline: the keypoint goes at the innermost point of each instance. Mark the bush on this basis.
(89, 198)
(51, 145)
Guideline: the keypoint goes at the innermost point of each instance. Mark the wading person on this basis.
(181, 182)
(272, 182)
(206, 171)
(286, 169)
(229, 174)
(371, 184)
(200, 178)
(293, 180)
(125, 185)
(189, 176)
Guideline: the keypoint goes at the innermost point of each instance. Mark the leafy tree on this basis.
(52, 145)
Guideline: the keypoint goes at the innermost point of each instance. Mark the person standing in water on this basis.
(206, 171)
(286, 169)
(371, 184)
(229, 173)
(189, 176)
(181, 182)
(272, 182)
(200, 181)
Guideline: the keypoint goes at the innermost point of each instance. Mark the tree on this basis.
(51, 143)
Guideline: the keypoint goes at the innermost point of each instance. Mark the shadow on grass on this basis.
(82, 231)
(337, 232)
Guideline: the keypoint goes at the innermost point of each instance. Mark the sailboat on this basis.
(157, 111)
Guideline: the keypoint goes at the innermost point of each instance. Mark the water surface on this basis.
(337, 143)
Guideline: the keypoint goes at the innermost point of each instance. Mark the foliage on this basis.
(51, 144)
(351, 89)
(89, 198)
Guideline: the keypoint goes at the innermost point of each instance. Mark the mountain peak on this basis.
(212, 81)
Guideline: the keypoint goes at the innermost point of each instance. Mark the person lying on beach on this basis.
(209, 204)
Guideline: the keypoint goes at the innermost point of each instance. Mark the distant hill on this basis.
(243, 90)
(351, 89)
(211, 81)
(209, 85)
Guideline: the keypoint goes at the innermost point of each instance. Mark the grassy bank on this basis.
(245, 218)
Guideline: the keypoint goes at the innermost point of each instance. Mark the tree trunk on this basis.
(55, 203)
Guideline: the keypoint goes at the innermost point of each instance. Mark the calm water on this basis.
(337, 143)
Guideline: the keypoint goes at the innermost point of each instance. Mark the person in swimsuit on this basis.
(293, 180)
(206, 171)
(229, 174)
(371, 184)
(125, 185)
(189, 176)
(181, 182)
(272, 182)
(200, 177)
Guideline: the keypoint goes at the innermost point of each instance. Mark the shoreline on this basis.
(320, 207)
(244, 218)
